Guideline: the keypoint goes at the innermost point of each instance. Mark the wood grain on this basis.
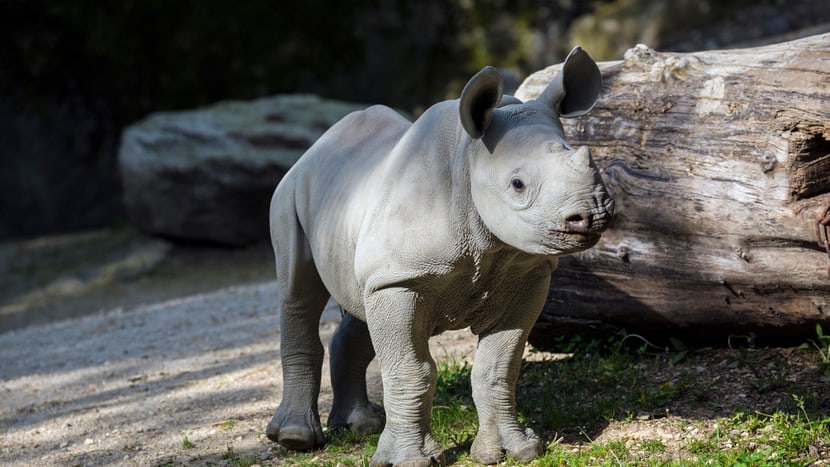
(720, 165)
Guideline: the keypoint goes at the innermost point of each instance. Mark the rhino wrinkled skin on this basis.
(455, 220)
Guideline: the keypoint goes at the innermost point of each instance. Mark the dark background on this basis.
(73, 74)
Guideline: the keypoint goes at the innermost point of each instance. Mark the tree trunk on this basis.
(719, 162)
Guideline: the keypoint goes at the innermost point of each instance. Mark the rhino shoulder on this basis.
(366, 134)
(382, 114)
(372, 122)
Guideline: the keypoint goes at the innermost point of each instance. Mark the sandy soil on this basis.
(126, 387)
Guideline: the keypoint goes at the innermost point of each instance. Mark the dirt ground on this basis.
(126, 387)
(127, 345)
(174, 351)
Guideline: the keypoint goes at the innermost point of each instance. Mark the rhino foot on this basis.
(419, 462)
(522, 447)
(297, 432)
(364, 419)
(397, 451)
(527, 451)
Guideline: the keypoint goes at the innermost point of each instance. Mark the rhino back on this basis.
(416, 220)
(383, 201)
(327, 189)
(346, 152)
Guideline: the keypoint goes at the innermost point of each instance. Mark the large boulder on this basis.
(208, 174)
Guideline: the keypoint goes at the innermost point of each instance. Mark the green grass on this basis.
(187, 444)
(822, 347)
(226, 424)
(571, 401)
(342, 448)
(235, 460)
(454, 421)
(765, 439)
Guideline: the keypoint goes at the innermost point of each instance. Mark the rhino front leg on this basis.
(495, 372)
(400, 337)
(351, 352)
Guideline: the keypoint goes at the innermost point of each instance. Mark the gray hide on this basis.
(455, 220)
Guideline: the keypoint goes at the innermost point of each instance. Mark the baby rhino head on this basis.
(531, 188)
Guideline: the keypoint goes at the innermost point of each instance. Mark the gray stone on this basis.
(208, 174)
(53, 278)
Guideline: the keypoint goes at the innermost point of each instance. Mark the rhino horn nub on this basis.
(580, 160)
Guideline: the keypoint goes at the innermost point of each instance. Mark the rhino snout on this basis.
(580, 229)
(578, 223)
(587, 221)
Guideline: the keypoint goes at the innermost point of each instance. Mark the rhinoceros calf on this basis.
(454, 220)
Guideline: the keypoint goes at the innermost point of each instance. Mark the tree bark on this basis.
(719, 162)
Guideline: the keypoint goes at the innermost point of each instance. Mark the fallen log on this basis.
(719, 162)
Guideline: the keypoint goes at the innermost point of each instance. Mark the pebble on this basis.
(89, 441)
(64, 444)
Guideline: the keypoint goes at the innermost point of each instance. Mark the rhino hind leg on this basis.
(351, 352)
(296, 423)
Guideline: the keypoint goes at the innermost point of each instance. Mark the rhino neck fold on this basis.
(470, 231)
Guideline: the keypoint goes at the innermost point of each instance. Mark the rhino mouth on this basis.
(570, 241)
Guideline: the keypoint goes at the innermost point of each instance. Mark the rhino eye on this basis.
(517, 184)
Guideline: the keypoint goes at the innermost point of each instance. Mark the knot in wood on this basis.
(624, 253)
(768, 163)
(639, 52)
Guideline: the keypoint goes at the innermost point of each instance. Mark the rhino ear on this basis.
(575, 89)
(478, 99)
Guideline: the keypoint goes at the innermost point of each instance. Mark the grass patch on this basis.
(226, 425)
(577, 396)
(653, 445)
(187, 444)
(235, 460)
(454, 418)
(343, 448)
(736, 407)
(821, 345)
(765, 440)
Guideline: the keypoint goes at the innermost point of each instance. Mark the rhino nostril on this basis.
(577, 222)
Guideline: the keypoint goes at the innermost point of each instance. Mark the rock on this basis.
(42, 276)
(208, 174)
